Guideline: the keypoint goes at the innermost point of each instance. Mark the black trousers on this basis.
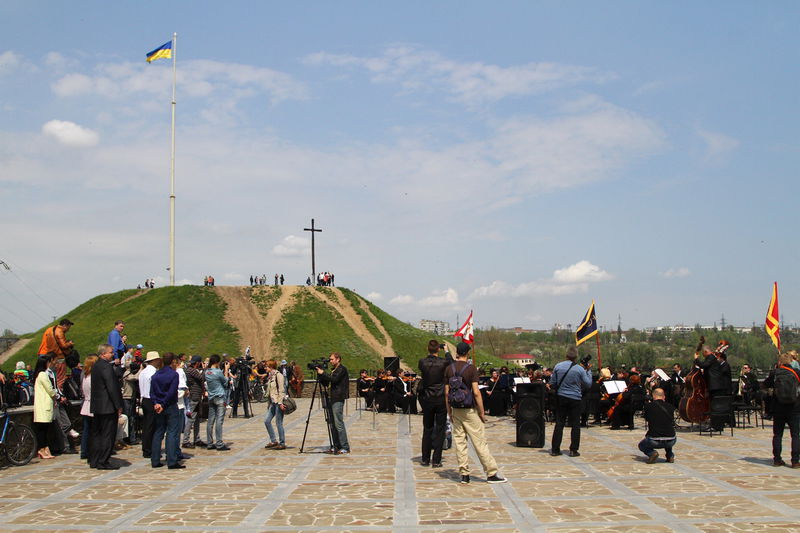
(567, 409)
(434, 423)
(148, 418)
(102, 435)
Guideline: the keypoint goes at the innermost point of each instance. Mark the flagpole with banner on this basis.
(166, 51)
(587, 330)
(773, 321)
(467, 334)
(172, 168)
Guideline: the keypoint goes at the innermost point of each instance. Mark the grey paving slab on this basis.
(721, 483)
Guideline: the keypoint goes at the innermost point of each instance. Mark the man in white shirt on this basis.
(154, 362)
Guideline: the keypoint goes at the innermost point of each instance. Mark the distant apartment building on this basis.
(437, 327)
(517, 330)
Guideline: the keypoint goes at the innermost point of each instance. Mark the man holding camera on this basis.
(569, 383)
(339, 382)
(434, 410)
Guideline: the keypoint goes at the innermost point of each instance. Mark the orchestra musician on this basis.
(364, 387)
(604, 401)
(676, 380)
(403, 392)
(498, 393)
(717, 373)
(384, 382)
(627, 403)
(749, 389)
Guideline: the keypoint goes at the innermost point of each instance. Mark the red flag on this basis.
(773, 323)
(466, 332)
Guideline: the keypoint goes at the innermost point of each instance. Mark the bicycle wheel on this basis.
(20, 445)
(258, 393)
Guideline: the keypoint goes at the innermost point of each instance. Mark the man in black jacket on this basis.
(717, 372)
(106, 406)
(339, 382)
(434, 410)
(660, 417)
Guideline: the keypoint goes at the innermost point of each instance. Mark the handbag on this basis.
(289, 406)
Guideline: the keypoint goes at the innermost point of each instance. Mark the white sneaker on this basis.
(74, 434)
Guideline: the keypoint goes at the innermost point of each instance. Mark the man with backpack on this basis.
(465, 407)
(786, 410)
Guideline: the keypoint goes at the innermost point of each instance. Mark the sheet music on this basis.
(661, 374)
(519, 380)
(615, 387)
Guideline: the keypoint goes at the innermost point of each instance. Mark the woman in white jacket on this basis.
(276, 388)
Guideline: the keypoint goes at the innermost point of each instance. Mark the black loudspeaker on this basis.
(530, 415)
(391, 363)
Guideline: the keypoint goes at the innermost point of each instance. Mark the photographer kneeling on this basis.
(339, 382)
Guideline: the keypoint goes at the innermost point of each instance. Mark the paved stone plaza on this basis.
(718, 483)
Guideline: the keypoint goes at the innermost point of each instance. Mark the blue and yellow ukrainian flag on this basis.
(163, 51)
(588, 327)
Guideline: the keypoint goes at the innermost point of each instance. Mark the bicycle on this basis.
(17, 440)
(258, 391)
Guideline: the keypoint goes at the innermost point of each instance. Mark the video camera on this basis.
(314, 364)
(585, 360)
(244, 365)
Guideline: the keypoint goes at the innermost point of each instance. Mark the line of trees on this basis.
(656, 350)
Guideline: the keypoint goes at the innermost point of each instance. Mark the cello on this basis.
(694, 402)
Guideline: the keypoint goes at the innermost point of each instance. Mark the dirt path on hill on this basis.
(342, 306)
(11, 352)
(378, 323)
(254, 330)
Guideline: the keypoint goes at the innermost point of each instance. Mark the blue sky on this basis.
(515, 158)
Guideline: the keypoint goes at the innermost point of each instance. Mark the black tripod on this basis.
(333, 438)
(242, 394)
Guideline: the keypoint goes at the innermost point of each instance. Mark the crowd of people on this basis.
(129, 398)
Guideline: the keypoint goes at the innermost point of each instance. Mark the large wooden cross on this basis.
(313, 230)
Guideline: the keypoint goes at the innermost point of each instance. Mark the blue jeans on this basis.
(167, 421)
(337, 409)
(274, 411)
(85, 437)
(216, 416)
(648, 446)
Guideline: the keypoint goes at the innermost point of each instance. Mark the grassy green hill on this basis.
(192, 319)
(180, 319)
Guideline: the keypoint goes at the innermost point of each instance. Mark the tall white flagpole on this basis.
(172, 168)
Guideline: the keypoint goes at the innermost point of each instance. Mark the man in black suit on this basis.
(717, 372)
(106, 406)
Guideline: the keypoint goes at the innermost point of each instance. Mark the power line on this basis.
(24, 304)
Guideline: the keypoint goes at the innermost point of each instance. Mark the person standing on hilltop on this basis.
(281, 278)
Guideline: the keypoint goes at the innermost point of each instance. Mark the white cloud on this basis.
(681, 272)
(9, 61)
(402, 299)
(581, 272)
(446, 297)
(717, 144)
(374, 296)
(196, 78)
(70, 134)
(471, 83)
(573, 279)
(292, 246)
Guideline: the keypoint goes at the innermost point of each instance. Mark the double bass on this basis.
(694, 402)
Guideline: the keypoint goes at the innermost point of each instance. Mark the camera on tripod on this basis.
(244, 365)
(314, 364)
(585, 360)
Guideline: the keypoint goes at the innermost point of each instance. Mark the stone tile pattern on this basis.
(717, 484)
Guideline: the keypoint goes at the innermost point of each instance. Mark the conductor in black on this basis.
(434, 410)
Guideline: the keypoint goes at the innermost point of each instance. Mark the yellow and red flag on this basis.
(773, 324)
